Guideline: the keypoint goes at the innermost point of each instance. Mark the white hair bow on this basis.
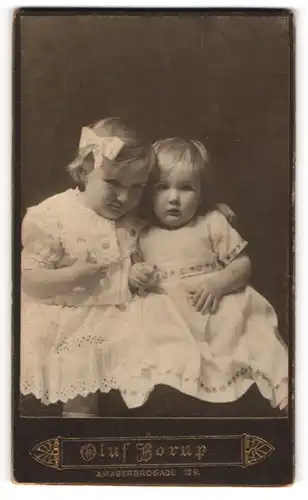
(201, 149)
(100, 147)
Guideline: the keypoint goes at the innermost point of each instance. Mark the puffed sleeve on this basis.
(226, 242)
(41, 245)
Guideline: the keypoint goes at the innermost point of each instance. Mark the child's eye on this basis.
(187, 187)
(112, 182)
(161, 186)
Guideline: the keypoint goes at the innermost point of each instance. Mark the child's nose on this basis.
(174, 196)
(122, 195)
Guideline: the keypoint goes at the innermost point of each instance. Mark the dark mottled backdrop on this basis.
(224, 80)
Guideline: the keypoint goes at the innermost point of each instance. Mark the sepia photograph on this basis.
(153, 220)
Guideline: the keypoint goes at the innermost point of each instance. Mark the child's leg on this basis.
(82, 407)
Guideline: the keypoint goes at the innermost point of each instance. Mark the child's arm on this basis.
(44, 283)
(42, 274)
(230, 279)
(228, 246)
(235, 275)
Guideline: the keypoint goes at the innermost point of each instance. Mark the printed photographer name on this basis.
(141, 452)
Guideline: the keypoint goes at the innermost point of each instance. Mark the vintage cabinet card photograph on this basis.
(153, 166)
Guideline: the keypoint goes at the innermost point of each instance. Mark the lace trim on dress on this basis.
(66, 393)
(67, 344)
(145, 376)
(234, 252)
(200, 387)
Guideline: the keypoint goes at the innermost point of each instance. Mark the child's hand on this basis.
(142, 275)
(207, 296)
(86, 274)
(227, 212)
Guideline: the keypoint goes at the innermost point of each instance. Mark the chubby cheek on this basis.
(101, 195)
(191, 203)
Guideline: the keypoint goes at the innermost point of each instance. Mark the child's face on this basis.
(177, 196)
(114, 190)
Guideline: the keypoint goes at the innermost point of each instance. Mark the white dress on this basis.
(65, 340)
(213, 357)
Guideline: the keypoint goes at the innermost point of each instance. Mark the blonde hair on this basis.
(134, 148)
(172, 152)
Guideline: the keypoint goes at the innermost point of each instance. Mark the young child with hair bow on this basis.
(75, 263)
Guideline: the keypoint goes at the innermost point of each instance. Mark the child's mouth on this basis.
(115, 207)
(174, 212)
